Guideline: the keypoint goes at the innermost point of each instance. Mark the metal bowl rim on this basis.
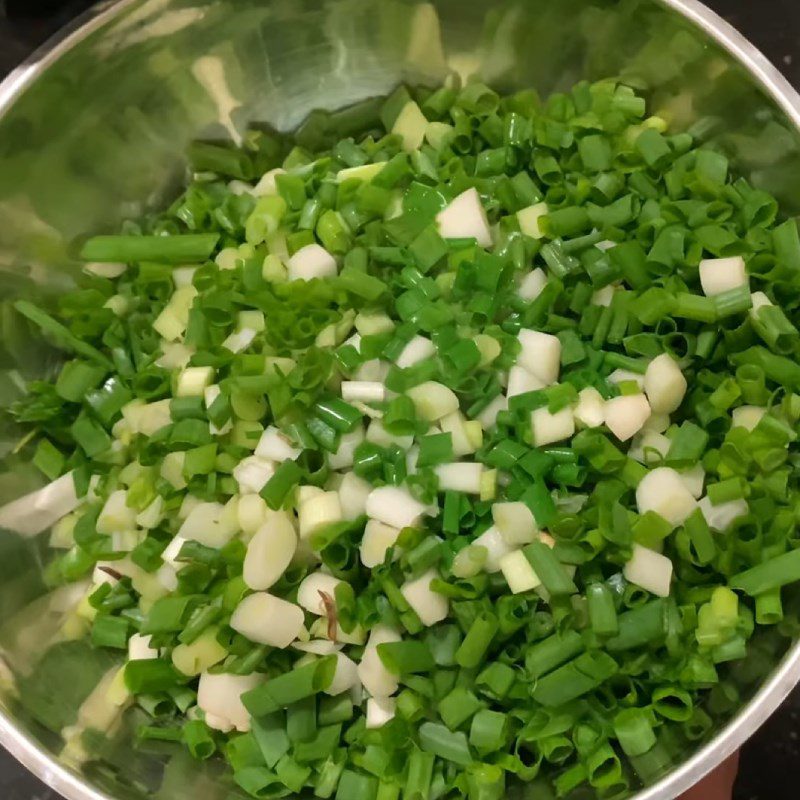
(787, 674)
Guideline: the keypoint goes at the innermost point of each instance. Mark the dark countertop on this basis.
(770, 768)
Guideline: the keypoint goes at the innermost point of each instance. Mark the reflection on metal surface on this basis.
(92, 130)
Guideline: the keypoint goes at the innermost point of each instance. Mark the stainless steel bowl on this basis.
(92, 127)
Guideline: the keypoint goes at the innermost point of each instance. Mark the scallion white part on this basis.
(151, 516)
(626, 376)
(266, 185)
(431, 607)
(104, 269)
(515, 522)
(532, 284)
(366, 172)
(759, 300)
(266, 619)
(395, 506)
(604, 296)
(521, 381)
(417, 349)
(192, 381)
(377, 539)
(410, 126)
(540, 354)
(380, 710)
(275, 446)
(363, 391)
(465, 218)
(488, 347)
(239, 340)
(657, 422)
(345, 452)
(589, 412)
(649, 447)
(345, 677)
(116, 515)
(220, 697)
(318, 647)
(663, 491)
(496, 547)
(694, 479)
(433, 400)
(171, 469)
(353, 494)
(251, 513)
(649, 570)
(518, 572)
(720, 517)
(147, 418)
(209, 524)
(461, 435)
(747, 416)
(270, 551)
(549, 428)
(317, 513)
(252, 474)
(719, 275)
(377, 434)
(528, 219)
(469, 561)
(488, 417)
(460, 477)
(308, 592)
(139, 648)
(311, 261)
(377, 680)
(174, 355)
(626, 415)
(664, 384)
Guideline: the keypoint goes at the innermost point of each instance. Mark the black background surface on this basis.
(770, 767)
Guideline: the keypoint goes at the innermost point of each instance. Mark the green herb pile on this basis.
(445, 458)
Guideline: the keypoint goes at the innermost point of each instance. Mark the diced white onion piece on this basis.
(380, 710)
(747, 416)
(465, 218)
(663, 491)
(532, 284)
(353, 494)
(252, 512)
(664, 384)
(270, 551)
(626, 376)
(139, 648)
(722, 274)
(220, 697)
(377, 680)
(366, 172)
(515, 522)
(410, 126)
(252, 474)
(318, 513)
(266, 184)
(456, 425)
(460, 477)
(590, 410)
(521, 381)
(318, 647)
(363, 391)
(116, 515)
(311, 261)
(209, 524)
(488, 417)
(433, 400)
(496, 547)
(193, 381)
(722, 516)
(604, 296)
(649, 570)
(540, 354)
(308, 592)
(345, 452)
(528, 219)
(649, 447)
(549, 428)
(345, 677)
(377, 434)
(518, 572)
(239, 340)
(378, 538)
(275, 446)
(430, 606)
(626, 415)
(395, 506)
(266, 619)
(694, 479)
(418, 349)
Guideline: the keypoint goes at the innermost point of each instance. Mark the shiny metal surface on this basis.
(91, 130)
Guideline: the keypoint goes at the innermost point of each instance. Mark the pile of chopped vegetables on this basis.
(433, 461)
